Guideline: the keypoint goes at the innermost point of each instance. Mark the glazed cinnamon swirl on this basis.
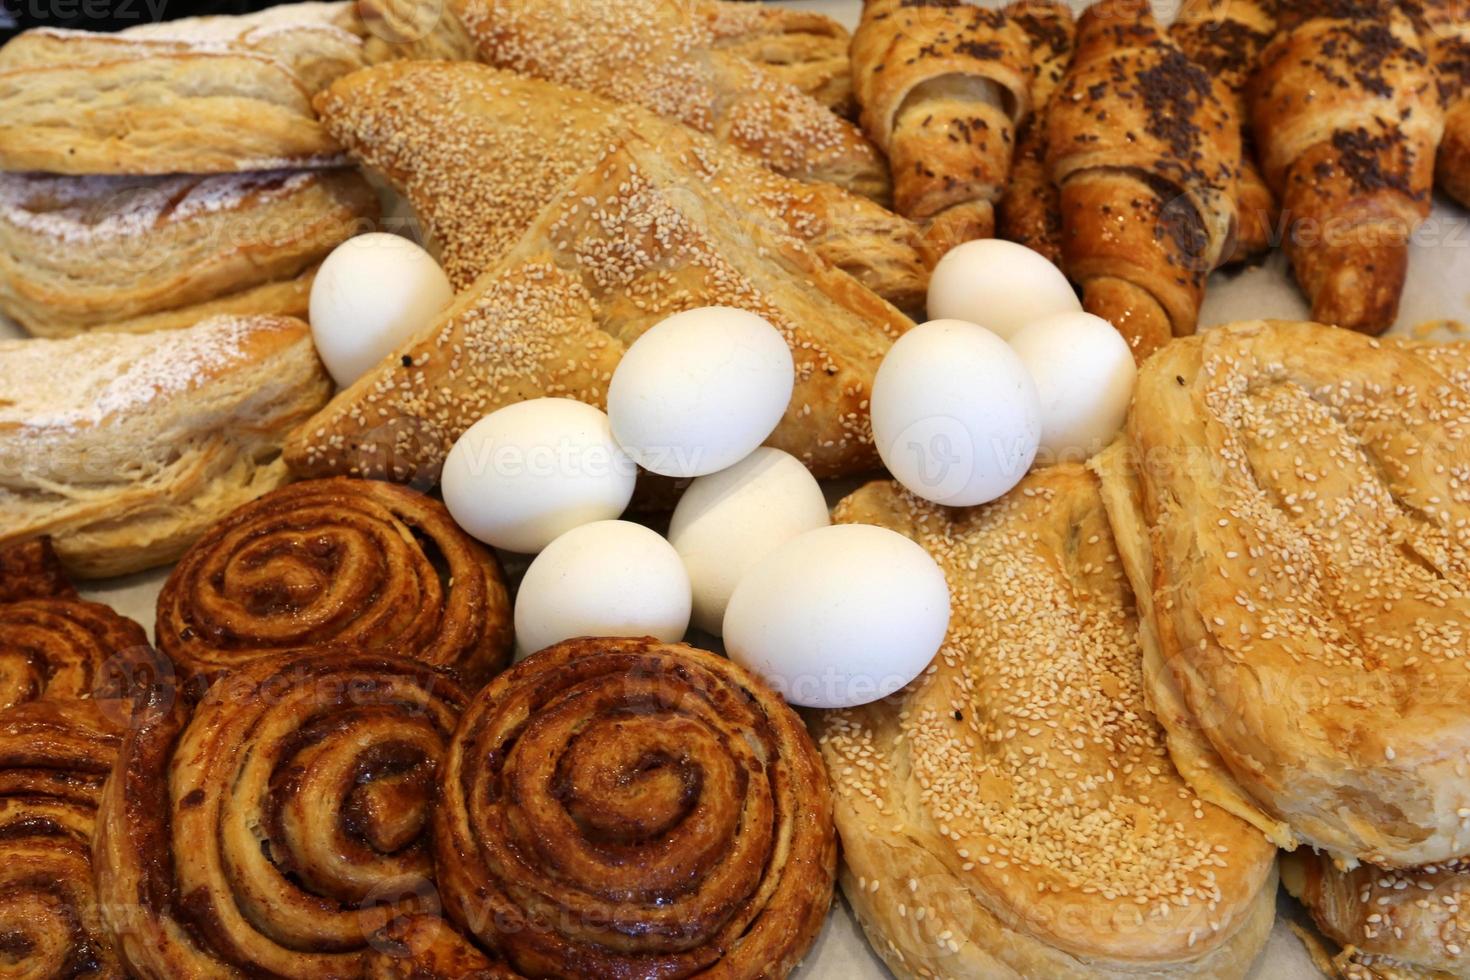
(349, 565)
(69, 649)
(623, 807)
(278, 827)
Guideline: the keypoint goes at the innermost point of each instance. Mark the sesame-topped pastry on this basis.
(942, 87)
(1347, 117)
(1290, 503)
(803, 48)
(196, 95)
(1013, 812)
(1144, 147)
(418, 121)
(637, 238)
(147, 253)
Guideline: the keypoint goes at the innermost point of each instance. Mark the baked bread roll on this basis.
(624, 807)
(637, 238)
(1013, 812)
(142, 441)
(418, 122)
(347, 565)
(1143, 145)
(1445, 28)
(1297, 539)
(54, 759)
(1347, 117)
(133, 253)
(277, 828)
(31, 569)
(195, 95)
(942, 87)
(72, 650)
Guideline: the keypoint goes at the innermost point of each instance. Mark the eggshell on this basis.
(955, 413)
(371, 295)
(528, 473)
(700, 390)
(608, 578)
(999, 285)
(1084, 374)
(727, 521)
(839, 616)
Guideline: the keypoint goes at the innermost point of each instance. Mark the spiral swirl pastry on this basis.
(340, 564)
(278, 827)
(626, 808)
(68, 649)
(54, 758)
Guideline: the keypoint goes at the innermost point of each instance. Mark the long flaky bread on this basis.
(942, 87)
(1445, 27)
(1347, 117)
(137, 253)
(637, 238)
(1030, 210)
(1226, 38)
(197, 95)
(1144, 148)
(125, 447)
(1288, 501)
(420, 122)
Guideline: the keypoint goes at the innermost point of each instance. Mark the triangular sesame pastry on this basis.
(637, 239)
(1296, 502)
(1013, 811)
(470, 147)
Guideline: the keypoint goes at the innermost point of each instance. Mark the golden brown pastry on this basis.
(1347, 117)
(277, 828)
(69, 649)
(804, 49)
(1445, 27)
(638, 238)
(54, 758)
(196, 95)
(425, 947)
(1013, 812)
(142, 441)
(1226, 38)
(942, 87)
(1288, 501)
(1030, 209)
(347, 565)
(1144, 148)
(31, 569)
(418, 122)
(624, 807)
(134, 252)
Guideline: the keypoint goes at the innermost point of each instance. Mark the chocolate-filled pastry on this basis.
(1144, 147)
(69, 649)
(147, 253)
(355, 566)
(630, 808)
(31, 569)
(1288, 501)
(54, 758)
(1347, 117)
(1013, 811)
(276, 828)
(1445, 27)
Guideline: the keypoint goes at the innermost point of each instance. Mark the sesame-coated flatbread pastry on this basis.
(418, 122)
(1013, 812)
(196, 95)
(144, 253)
(636, 239)
(1290, 501)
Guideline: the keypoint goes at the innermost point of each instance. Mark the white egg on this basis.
(839, 616)
(955, 413)
(370, 296)
(727, 521)
(528, 473)
(608, 578)
(1000, 285)
(700, 390)
(1084, 375)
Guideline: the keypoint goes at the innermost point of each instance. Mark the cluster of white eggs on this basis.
(831, 615)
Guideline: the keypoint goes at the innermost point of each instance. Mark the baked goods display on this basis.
(1014, 812)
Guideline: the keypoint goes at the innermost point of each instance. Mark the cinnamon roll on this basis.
(54, 758)
(276, 828)
(69, 649)
(624, 807)
(339, 564)
(425, 947)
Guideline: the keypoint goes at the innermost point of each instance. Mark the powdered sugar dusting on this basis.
(248, 28)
